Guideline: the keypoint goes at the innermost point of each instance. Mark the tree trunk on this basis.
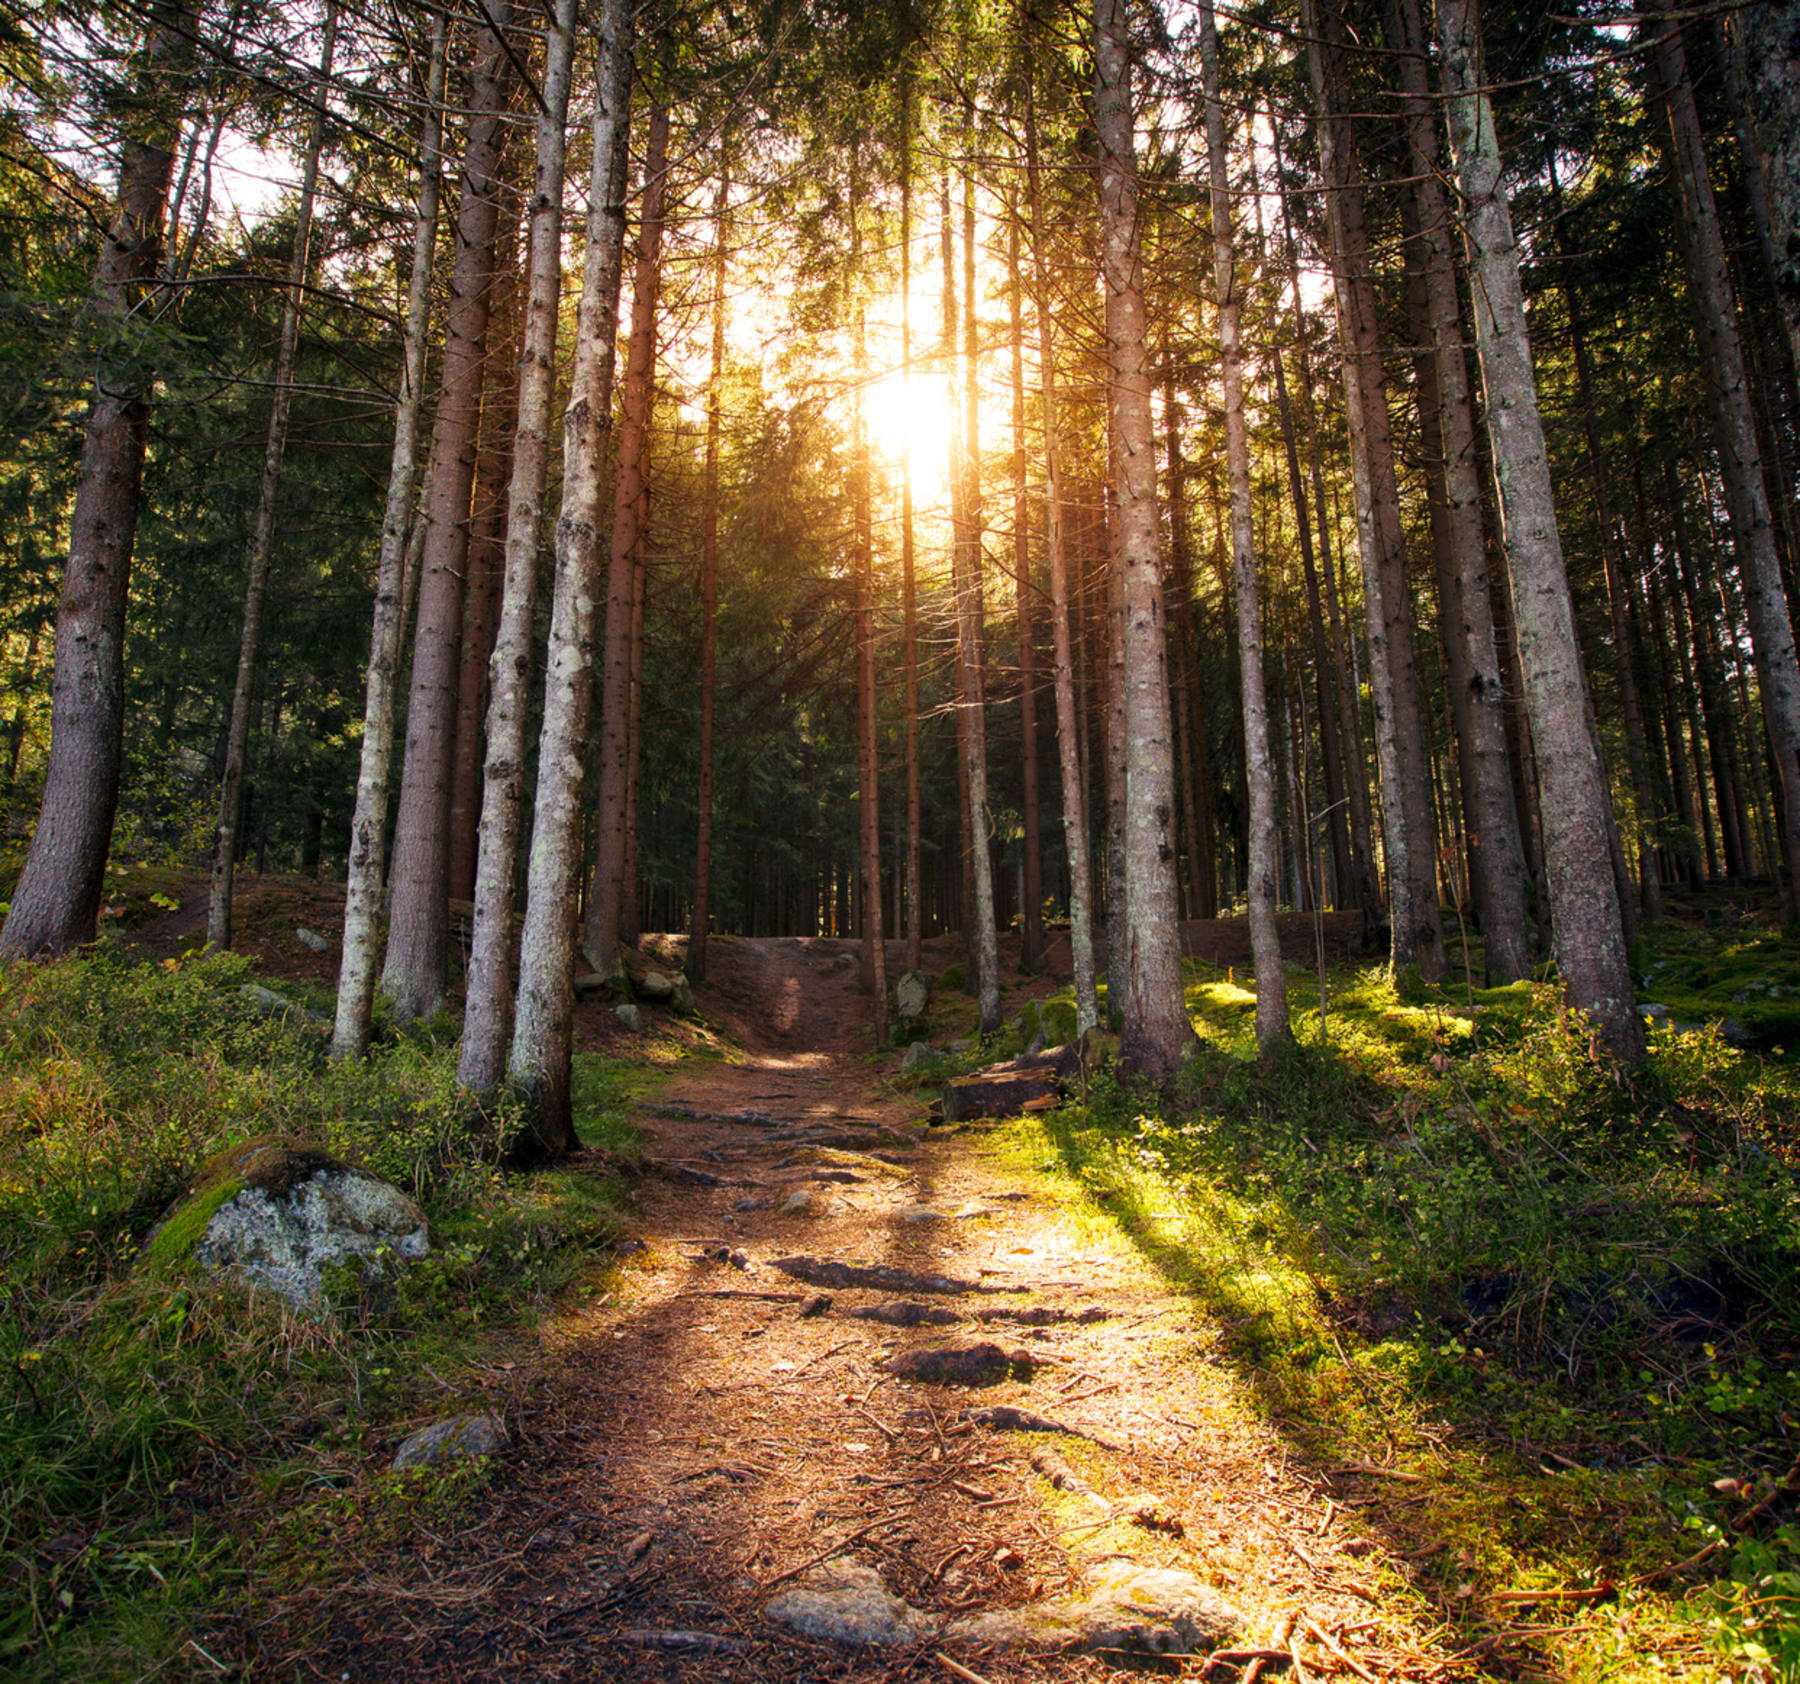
(868, 741)
(415, 967)
(487, 1017)
(1734, 427)
(1157, 1035)
(1769, 38)
(393, 591)
(913, 890)
(262, 542)
(1068, 727)
(1263, 860)
(1465, 601)
(486, 569)
(600, 939)
(1590, 942)
(701, 926)
(1031, 914)
(1417, 936)
(539, 1065)
(56, 903)
(984, 953)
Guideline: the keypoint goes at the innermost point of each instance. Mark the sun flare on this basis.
(910, 427)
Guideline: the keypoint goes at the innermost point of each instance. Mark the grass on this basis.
(1448, 1237)
(161, 1434)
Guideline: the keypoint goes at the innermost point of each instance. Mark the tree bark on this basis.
(1726, 385)
(1589, 936)
(701, 925)
(600, 939)
(262, 542)
(1068, 725)
(1031, 918)
(416, 963)
(1769, 38)
(1263, 860)
(56, 903)
(539, 1065)
(393, 591)
(913, 890)
(1496, 857)
(487, 1016)
(1417, 935)
(1157, 1035)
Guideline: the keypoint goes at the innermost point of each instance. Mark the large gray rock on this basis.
(851, 1606)
(1129, 1609)
(920, 1056)
(912, 995)
(311, 940)
(681, 996)
(278, 1215)
(629, 1015)
(459, 1435)
(655, 985)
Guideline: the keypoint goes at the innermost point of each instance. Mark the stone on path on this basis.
(458, 1435)
(852, 1606)
(1129, 1609)
(983, 1364)
(879, 1277)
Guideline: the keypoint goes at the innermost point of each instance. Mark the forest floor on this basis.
(713, 1426)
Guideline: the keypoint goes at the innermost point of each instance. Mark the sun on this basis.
(910, 425)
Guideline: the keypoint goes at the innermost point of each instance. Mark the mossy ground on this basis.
(1439, 1235)
(163, 1439)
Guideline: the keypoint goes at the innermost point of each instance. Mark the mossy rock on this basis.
(955, 976)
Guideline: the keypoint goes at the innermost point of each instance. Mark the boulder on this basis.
(629, 1015)
(681, 996)
(311, 940)
(278, 1214)
(458, 1435)
(657, 986)
(912, 996)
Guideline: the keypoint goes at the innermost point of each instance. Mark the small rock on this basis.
(816, 1305)
(311, 940)
(982, 1364)
(923, 1213)
(629, 1015)
(749, 1204)
(801, 1202)
(655, 985)
(964, 1044)
(1130, 1609)
(459, 1435)
(852, 1607)
(921, 1055)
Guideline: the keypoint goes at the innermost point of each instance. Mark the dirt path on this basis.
(715, 1431)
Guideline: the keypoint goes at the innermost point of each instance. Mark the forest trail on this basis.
(714, 1430)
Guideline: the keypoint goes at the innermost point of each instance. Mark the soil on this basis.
(715, 1427)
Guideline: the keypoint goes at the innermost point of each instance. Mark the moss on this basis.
(174, 1241)
(955, 976)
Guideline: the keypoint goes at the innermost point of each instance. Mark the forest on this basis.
(655, 656)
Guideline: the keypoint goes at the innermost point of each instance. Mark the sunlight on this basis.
(911, 419)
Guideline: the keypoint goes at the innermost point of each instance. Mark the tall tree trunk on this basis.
(487, 1017)
(56, 903)
(539, 1066)
(1157, 1035)
(630, 883)
(415, 967)
(914, 911)
(1263, 860)
(1417, 935)
(600, 939)
(1590, 941)
(701, 927)
(1466, 607)
(486, 567)
(1031, 918)
(868, 740)
(1068, 726)
(1734, 427)
(984, 953)
(394, 575)
(262, 540)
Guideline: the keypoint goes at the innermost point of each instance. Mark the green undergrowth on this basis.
(149, 1412)
(1747, 981)
(1444, 1237)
